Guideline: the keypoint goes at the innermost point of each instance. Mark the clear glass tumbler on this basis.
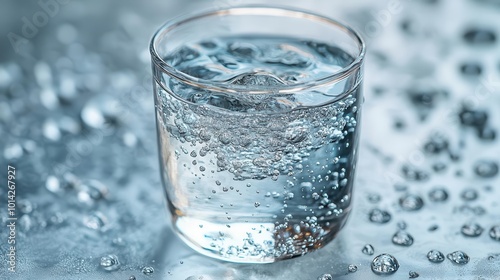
(258, 115)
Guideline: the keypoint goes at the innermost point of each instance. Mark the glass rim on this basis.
(223, 86)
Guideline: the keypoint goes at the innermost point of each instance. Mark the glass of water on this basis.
(258, 120)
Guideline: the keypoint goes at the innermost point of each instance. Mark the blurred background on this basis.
(77, 123)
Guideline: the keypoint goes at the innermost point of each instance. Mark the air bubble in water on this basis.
(384, 264)
(435, 256)
(368, 250)
(402, 238)
(458, 257)
(110, 263)
(495, 233)
(411, 202)
(472, 230)
(379, 216)
(438, 194)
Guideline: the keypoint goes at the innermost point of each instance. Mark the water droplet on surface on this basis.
(100, 110)
(414, 174)
(479, 36)
(472, 230)
(132, 277)
(438, 194)
(433, 228)
(325, 276)
(486, 168)
(495, 233)
(257, 204)
(130, 139)
(436, 144)
(413, 275)
(352, 268)
(494, 257)
(90, 191)
(110, 263)
(435, 256)
(411, 202)
(469, 195)
(13, 151)
(379, 216)
(402, 238)
(473, 118)
(471, 69)
(486, 133)
(52, 184)
(368, 250)
(96, 221)
(148, 270)
(25, 223)
(384, 264)
(458, 257)
(401, 225)
(51, 130)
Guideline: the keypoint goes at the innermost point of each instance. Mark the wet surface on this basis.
(77, 123)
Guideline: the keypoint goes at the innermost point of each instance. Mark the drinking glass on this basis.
(258, 122)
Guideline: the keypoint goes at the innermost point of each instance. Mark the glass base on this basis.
(255, 242)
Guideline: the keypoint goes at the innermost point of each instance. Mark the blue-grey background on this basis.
(77, 123)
